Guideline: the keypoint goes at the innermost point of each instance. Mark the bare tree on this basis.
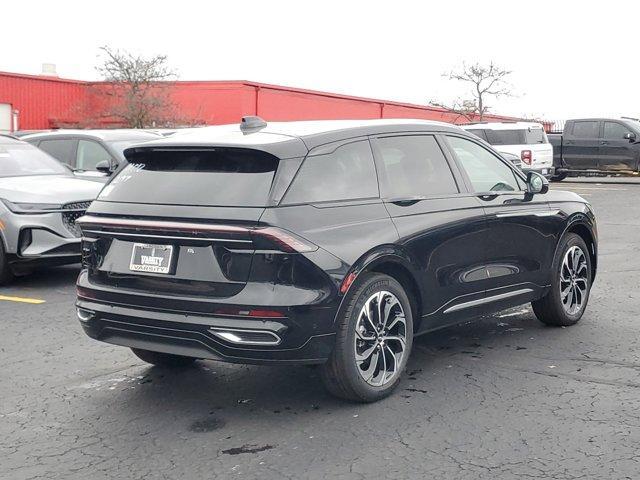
(137, 88)
(486, 81)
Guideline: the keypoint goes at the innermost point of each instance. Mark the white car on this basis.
(527, 140)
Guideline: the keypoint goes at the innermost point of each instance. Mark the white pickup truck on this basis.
(527, 140)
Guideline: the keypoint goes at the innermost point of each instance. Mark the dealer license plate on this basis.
(151, 258)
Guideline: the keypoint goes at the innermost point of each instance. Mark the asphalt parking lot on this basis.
(504, 397)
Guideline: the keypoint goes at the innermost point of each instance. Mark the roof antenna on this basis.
(252, 124)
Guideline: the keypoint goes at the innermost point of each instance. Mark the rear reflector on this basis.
(526, 156)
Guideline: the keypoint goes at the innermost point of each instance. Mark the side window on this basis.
(61, 150)
(586, 129)
(345, 174)
(414, 166)
(486, 171)
(615, 131)
(90, 153)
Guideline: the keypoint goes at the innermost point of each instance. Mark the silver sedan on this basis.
(40, 201)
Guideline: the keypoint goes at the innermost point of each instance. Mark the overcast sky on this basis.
(568, 58)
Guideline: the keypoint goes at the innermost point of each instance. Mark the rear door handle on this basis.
(604, 143)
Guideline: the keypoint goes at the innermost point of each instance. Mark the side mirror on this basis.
(630, 136)
(104, 166)
(537, 183)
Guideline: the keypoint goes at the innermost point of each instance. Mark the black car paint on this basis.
(596, 153)
(447, 251)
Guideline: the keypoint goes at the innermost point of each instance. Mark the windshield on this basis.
(17, 160)
(211, 177)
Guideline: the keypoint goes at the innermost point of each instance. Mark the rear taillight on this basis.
(263, 237)
(526, 156)
(285, 241)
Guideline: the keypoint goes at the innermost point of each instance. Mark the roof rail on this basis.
(486, 123)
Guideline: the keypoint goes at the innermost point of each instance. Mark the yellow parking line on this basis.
(21, 299)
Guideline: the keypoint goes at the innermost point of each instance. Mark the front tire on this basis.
(160, 359)
(374, 335)
(567, 298)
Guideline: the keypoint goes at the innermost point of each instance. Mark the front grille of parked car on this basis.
(72, 212)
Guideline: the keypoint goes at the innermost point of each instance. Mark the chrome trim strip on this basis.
(220, 331)
(159, 225)
(526, 213)
(482, 301)
(164, 237)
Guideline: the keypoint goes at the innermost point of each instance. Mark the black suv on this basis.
(330, 242)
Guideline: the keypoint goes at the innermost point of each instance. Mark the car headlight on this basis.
(32, 208)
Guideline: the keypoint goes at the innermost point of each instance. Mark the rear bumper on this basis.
(192, 335)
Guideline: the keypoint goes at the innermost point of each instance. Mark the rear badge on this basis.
(151, 258)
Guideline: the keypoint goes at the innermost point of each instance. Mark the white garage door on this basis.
(5, 118)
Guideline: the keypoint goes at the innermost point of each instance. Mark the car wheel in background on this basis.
(160, 359)
(6, 275)
(374, 335)
(558, 178)
(567, 298)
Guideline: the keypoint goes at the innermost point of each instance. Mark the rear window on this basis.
(520, 136)
(506, 137)
(209, 177)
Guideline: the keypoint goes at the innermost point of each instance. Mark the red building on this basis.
(31, 102)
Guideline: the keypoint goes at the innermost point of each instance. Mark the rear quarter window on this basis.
(535, 135)
(347, 173)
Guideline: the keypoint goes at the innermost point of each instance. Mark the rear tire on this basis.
(160, 359)
(559, 177)
(351, 372)
(568, 296)
(6, 275)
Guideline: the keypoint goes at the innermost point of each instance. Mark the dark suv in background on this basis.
(331, 242)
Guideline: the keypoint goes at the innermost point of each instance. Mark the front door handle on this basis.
(604, 143)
